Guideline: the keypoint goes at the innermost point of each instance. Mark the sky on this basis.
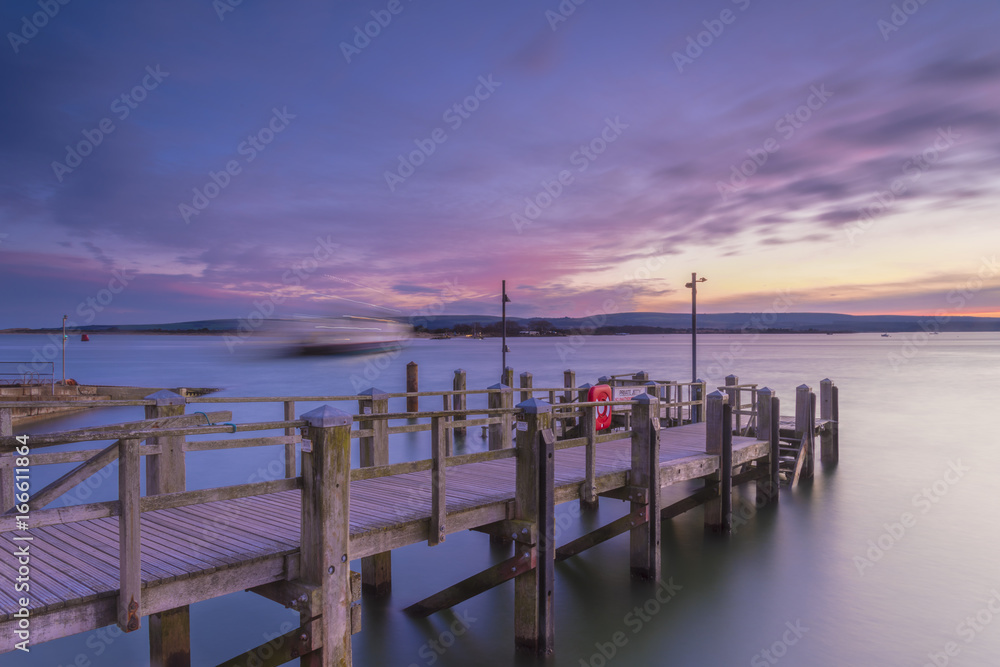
(176, 161)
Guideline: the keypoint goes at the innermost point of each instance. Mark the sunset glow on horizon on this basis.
(832, 154)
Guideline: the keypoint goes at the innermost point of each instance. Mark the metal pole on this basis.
(503, 313)
(694, 327)
(64, 350)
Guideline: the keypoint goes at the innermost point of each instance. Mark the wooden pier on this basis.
(146, 558)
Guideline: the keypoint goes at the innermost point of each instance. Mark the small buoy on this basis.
(84, 338)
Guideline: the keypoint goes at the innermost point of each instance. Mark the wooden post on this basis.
(569, 381)
(775, 459)
(535, 502)
(719, 439)
(412, 385)
(828, 442)
(438, 496)
(290, 470)
(767, 490)
(169, 631)
(644, 559)
(499, 399)
(376, 571)
(804, 424)
(588, 494)
(811, 461)
(836, 423)
(6, 463)
(325, 555)
(697, 394)
(734, 400)
(129, 560)
(458, 384)
(508, 376)
(525, 385)
(449, 433)
(641, 376)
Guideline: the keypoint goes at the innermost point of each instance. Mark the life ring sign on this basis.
(601, 392)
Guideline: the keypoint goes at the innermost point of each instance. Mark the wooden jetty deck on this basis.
(152, 556)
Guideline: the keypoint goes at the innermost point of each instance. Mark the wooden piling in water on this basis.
(534, 502)
(569, 381)
(412, 386)
(734, 400)
(459, 401)
(698, 394)
(644, 558)
(169, 631)
(525, 386)
(719, 441)
(507, 376)
(805, 426)
(325, 536)
(828, 436)
(376, 571)
(767, 429)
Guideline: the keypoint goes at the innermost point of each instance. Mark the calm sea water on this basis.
(832, 576)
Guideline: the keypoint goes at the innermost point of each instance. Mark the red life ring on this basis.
(601, 392)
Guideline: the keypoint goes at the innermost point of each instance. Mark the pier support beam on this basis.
(805, 425)
(412, 385)
(507, 376)
(325, 557)
(734, 401)
(767, 429)
(499, 434)
(588, 493)
(459, 402)
(828, 439)
(644, 558)
(698, 394)
(525, 386)
(569, 381)
(719, 441)
(376, 571)
(534, 626)
(169, 631)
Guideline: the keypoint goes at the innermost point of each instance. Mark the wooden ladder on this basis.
(792, 455)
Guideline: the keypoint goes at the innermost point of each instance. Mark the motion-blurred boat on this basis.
(339, 335)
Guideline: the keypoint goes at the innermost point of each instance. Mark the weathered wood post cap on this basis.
(718, 396)
(585, 385)
(459, 371)
(326, 416)
(645, 399)
(166, 397)
(499, 385)
(604, 379)
(802, 387)
(534, 406)
(826, 380)
(641, 375)
(412, 363)
(765, 390)
(374, 393)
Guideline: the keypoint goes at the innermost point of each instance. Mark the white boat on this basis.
(339, 335)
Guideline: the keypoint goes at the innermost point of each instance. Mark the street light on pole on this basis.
(504, 300)
(693, 285)
(64, 349)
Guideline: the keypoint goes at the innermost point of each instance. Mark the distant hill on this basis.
(722, 322)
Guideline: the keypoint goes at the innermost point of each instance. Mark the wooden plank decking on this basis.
(76, 565)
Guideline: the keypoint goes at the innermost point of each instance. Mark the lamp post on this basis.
(64, 350)
(694, 323)
(503, 317)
